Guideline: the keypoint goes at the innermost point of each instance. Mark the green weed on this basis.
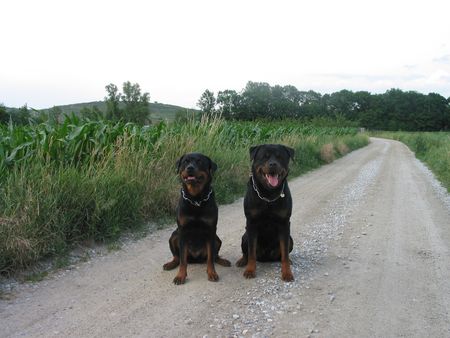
(36, 277)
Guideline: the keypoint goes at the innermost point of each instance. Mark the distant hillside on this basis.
(10, 110)
(158, 111)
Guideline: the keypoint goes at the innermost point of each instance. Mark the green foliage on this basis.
(4, 116)
(21, 115)
(256, 98)
(53, 115)
(65, 183)
(131, 106)
(207, 102)
(112, 101)
(393, 110)
(92, 113)
(228, 101)
(36, 277)
(136, 104)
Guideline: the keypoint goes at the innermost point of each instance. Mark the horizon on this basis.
(197, 108)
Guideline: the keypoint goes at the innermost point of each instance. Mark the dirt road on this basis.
(371, 259)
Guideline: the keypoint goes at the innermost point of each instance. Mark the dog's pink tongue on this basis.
(273, 180)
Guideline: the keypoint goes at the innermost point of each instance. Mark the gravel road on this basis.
(371, 259)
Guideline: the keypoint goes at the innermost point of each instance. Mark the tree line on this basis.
(393, 110)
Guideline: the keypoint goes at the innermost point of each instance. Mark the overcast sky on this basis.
(64, 51)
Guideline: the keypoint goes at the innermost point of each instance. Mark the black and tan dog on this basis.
(268, 208)
(195, 239)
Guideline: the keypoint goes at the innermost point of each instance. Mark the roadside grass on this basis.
(433, 148)
(64, 185)
(36, 277)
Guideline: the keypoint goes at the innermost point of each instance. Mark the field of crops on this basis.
(433, 148)
(66, 183)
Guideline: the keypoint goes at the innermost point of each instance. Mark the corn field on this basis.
(62, 184)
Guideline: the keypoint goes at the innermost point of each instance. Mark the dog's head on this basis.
(270, 164)
(195, 171)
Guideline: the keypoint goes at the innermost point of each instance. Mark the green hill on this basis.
(158, 111)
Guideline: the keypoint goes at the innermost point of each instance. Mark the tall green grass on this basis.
(433, 148)
(64, 184)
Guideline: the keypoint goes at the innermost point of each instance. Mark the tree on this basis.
(368, 109)
(4, 116)
(136, 107)
(207, 102)
(342, 103)
(312, 104)
(112, 102)
(309, 97)
(279, 106)
(22, 116)
(256, 101)
(228, 102)
(393, 110)
(285, 101)
(131, 106)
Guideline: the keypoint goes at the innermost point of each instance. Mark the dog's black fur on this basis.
(195, 239)
(268, 208)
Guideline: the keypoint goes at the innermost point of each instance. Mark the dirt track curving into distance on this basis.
(371, 259)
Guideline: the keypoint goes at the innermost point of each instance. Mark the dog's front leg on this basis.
(182, 272)
(211, 257)
(250, 270)
(286, 273)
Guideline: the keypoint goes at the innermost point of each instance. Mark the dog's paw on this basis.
(249, 273)
(287, 276)
(241, 262)
(179, 279)
(223, 261)
(170, 266)
(213, 276)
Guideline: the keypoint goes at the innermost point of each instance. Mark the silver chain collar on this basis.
(196, 203)
(264, 198)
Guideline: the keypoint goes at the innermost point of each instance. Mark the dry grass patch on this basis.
(342, 148)
(327, 153)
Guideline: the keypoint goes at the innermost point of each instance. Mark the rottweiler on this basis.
(268, 208)
(195, 239)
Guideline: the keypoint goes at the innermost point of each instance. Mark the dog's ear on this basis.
(253, 152)
(212, 165)
(179, 163)
(290, 151)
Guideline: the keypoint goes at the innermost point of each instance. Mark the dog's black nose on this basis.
(190, 168)
(272, 165)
